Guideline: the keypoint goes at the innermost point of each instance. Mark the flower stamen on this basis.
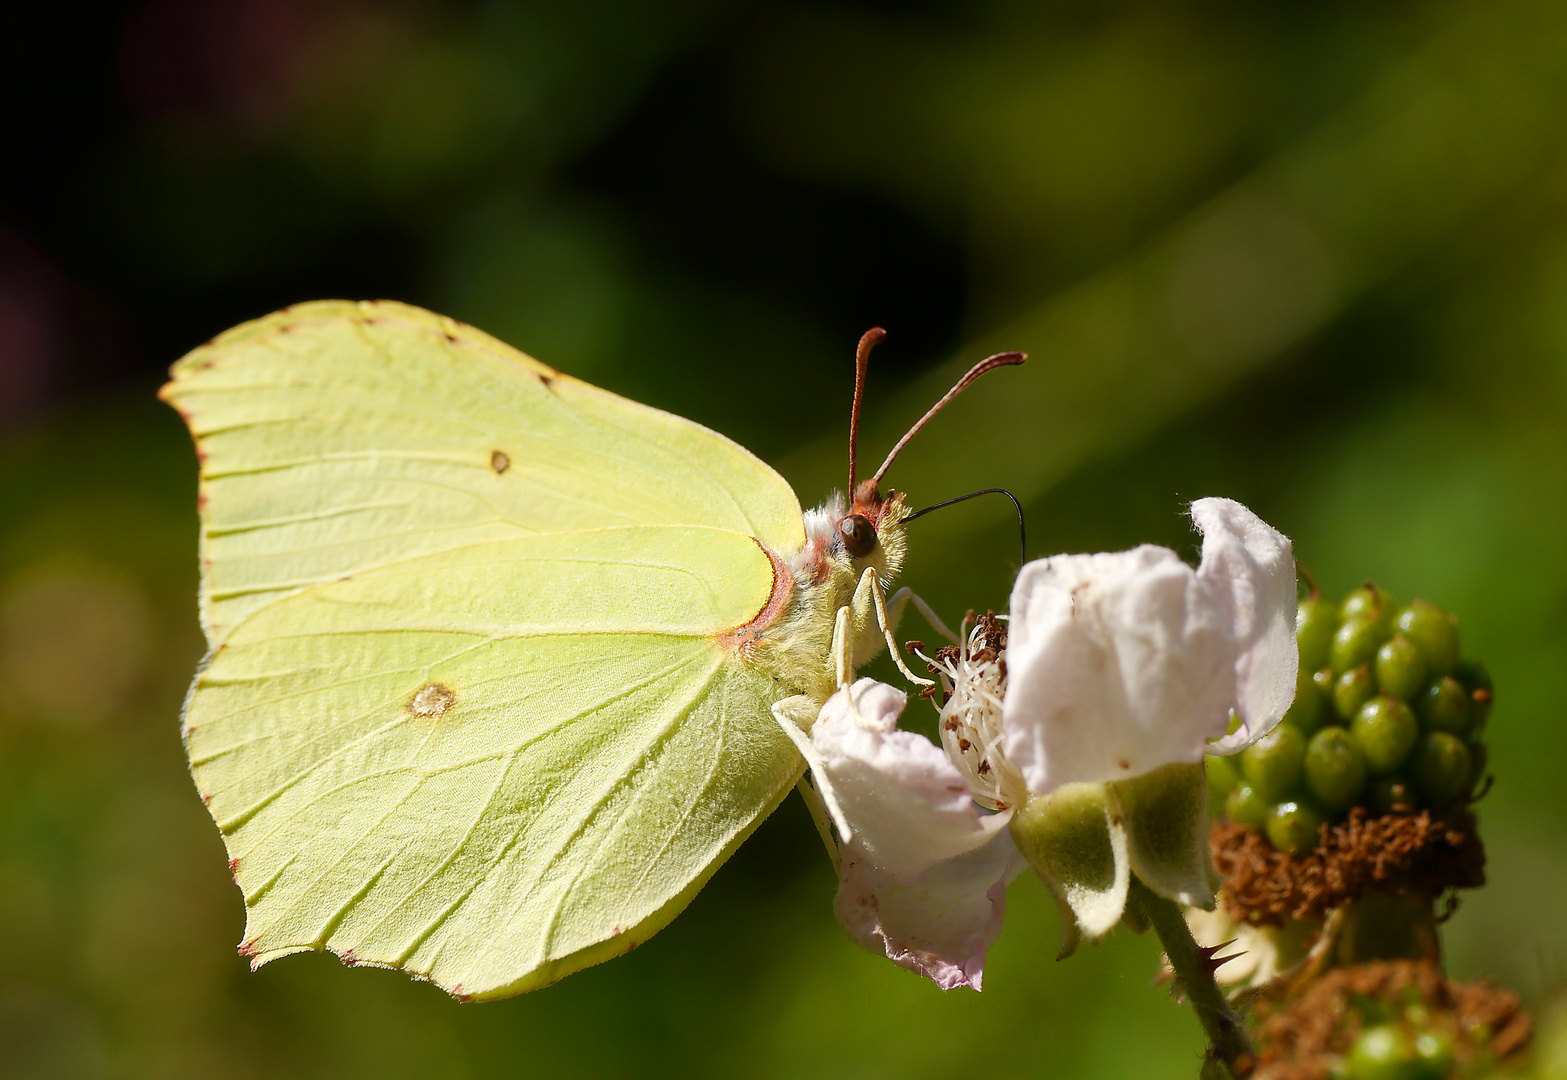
(973, 678)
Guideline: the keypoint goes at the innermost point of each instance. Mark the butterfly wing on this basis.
(337, 436)
(467, 721)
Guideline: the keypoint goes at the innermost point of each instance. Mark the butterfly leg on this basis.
(843, 656)
(874, 624)
(906, 595)
(842, 648)
(823, 807)
(821, 818)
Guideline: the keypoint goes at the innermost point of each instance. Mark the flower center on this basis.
(973, 683)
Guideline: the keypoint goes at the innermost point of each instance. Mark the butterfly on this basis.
(502, 666)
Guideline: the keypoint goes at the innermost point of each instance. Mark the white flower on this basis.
(922, 873)
(1123, 663)
(1085, 735)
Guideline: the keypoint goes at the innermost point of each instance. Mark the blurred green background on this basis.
(1311, 256)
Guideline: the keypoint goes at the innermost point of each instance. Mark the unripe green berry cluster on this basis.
(1393, 1052)
(1386, 716)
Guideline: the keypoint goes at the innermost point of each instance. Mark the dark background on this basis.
(1311, 256)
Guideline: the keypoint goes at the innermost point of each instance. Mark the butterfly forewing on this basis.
(337, 436)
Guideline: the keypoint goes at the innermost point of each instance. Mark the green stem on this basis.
(1226, 1034)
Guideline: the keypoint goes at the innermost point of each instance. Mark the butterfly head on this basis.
(867, 528)
(871, 531)
(847, 536)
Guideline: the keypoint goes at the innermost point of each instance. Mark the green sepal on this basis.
(1166, 820)
(1076, 843)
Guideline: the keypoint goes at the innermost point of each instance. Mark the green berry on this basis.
(1401, 668)
(1353, 689)
(1478, 682)
(1315, 622)
(1435, 1052)
(1433, 631)
(1223, 774)
(1386, 730)
(1479, 756)
(1356, 642)
(1305, 712)
(1273, 765)
(1294, 826)
(1441, 767)
(1369, 602)
(1335, 768)
(1246, 807)
(1445, 706)
(1383, 1053)
(1472, 674)
(1387, 794)
(1324, 678)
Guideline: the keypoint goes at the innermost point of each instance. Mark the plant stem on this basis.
(1226, 1035)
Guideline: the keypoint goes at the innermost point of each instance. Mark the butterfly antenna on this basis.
(1022, 529)
(990, 363)
(862, 358)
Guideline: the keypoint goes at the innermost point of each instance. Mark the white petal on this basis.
(1251, 566)
(1122, 663)
(939, 924)
(870, 704)
(1117, 664)
(907, 806)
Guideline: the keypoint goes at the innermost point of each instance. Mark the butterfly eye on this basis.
(859, 535)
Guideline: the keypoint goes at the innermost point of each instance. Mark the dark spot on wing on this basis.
(432, 700)
(500, 461)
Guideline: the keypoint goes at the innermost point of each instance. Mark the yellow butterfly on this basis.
(502, 666)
